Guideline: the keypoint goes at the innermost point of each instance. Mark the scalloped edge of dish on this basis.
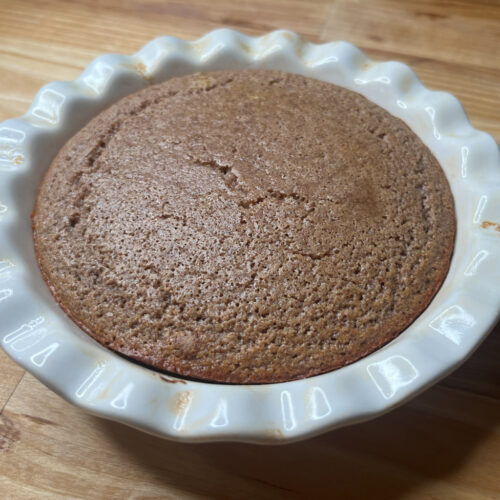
(37, 334)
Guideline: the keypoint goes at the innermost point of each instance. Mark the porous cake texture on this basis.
(244, 226)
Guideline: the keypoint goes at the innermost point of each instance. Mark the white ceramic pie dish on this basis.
(36, 333)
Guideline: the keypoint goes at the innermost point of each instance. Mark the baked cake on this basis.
(244, 226)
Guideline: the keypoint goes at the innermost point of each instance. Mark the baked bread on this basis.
(244, 226)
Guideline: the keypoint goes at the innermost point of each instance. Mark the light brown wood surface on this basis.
(445, 444)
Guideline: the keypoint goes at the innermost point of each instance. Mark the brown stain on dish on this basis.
(274, 433)
(487, 224)
(142, 70)
(181, 402)
(9, 435)
(300, 48)
(200, 45)
(244, 47)
(172, 380)
(265, 39)
(104, 394)
(82, 88)
(18, 160)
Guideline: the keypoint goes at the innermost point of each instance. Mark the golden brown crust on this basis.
(245, 227)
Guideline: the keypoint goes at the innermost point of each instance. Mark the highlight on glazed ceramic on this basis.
(37, 334)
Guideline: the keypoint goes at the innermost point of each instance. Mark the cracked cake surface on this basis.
(244, 226)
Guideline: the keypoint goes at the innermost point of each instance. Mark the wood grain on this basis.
(445, 444)
(11, 376)
(446, 43)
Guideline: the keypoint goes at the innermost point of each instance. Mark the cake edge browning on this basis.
(216, 375)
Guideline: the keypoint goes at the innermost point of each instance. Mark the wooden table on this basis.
(444, 444)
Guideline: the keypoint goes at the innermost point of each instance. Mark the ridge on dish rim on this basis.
(36, 333)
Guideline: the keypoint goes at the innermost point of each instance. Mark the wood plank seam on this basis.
(12, 393)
